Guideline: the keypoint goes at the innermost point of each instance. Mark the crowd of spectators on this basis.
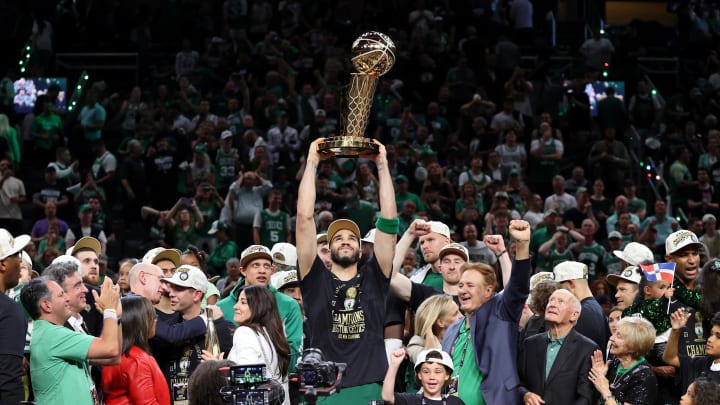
(209, 147)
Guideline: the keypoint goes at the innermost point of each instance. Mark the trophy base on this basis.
(348, 146)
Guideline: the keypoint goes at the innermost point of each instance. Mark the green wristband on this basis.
(390, 226)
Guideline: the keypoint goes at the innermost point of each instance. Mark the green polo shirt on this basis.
(469, 376)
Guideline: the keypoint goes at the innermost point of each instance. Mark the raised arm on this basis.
(678, 320)
(384, 245)
(496, 244)
(305, 231)
(400, 285)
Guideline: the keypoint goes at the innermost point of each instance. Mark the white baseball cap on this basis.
(189, 276)
(635, 254)
(439, 228)
(540, 276)
(157, 254)
(570, 270)
(369, 236)
(283, 278)
(631, 274)
(284, 253)
(10, 245)
(680, 239)
(226, 134)
(436, 356)
(708, 217)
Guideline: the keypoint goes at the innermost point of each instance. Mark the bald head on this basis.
(563, 309)
(144, 280)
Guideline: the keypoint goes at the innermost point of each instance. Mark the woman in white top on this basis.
(260, 338)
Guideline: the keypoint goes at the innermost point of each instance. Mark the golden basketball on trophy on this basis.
(373, 55)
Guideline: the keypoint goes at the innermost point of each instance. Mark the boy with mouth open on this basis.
(433, 370)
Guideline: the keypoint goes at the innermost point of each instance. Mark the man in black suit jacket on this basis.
(554, 365)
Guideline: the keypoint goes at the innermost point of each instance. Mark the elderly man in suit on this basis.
(554, 365)
(482, 344)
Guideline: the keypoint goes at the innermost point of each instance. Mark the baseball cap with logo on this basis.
(254, 252)
(86, 242)
(284, 253)
(283, 279)
(455, 249)
(539, 277)
(190, 277)
(631, 274)
(10, 245)
(681, 239)
(158, 254)
(217, 225)
(340, 224)
(434, 356)
(570, 270)
(635, 253)
(439, 228)
(369, 237)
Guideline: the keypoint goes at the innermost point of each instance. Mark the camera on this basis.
(248, 386)
(314, 371)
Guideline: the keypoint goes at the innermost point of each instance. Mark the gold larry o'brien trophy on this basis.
(373, 56)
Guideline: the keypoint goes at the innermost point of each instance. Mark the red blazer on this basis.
(137, 380)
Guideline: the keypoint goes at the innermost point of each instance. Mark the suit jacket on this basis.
(567, 383)
(494, 330)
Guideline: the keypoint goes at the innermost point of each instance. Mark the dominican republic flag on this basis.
(659, 271)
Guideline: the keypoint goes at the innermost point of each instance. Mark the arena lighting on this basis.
(24, 62)
(77, 92)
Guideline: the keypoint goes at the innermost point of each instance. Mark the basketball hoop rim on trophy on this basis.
(373, 55)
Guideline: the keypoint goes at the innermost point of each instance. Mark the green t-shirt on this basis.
(221, 253)
(434, 280)
(47, 124)
(58, 365)
(470, 378)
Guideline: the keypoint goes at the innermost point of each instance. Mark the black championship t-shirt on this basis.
(177, 362)
(346, 320)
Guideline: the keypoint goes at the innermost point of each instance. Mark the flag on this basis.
(659, 271)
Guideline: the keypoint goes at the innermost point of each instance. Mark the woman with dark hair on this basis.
(137, 379)
(206, 381)
(260, 338)
(703, 391)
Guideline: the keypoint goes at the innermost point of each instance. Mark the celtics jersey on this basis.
(594, 257)
(273, 228)
(225, 167)
(558, 257)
